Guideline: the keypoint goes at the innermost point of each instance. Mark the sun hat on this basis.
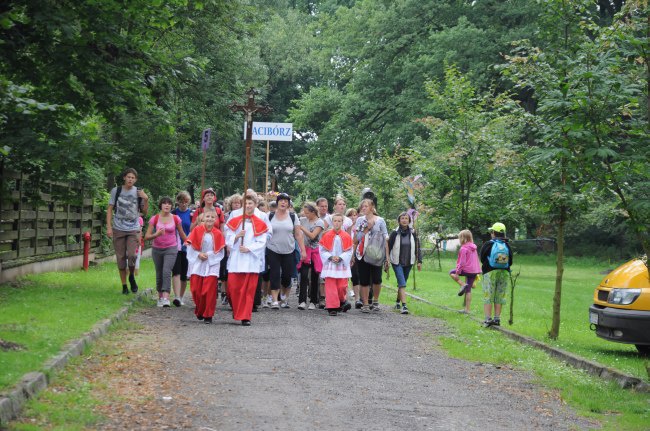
(498, 227)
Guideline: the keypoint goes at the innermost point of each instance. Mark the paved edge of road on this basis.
(13, 400)
(624, 380)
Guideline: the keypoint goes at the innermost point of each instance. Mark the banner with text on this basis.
(271, 131)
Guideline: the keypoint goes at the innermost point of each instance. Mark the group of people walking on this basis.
(257, 251)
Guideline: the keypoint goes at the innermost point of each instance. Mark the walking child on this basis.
(496, 261)
(335, 249)
(204, 254)
(467, 265)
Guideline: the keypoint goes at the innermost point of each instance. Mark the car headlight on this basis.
(623, 296)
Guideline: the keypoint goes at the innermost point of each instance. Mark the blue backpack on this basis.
(499, 255)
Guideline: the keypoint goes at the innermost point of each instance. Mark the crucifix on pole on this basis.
(249, 109)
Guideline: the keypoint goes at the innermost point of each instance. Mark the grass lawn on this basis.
(42, 312)
(533, 298)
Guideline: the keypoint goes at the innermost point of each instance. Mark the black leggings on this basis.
(280, 268)
(314, 295)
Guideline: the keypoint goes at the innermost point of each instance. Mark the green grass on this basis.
(533, 300)
(43, 312)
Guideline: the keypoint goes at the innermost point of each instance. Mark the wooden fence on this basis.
(43, 221)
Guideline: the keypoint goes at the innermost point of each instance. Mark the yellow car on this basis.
(621, 309)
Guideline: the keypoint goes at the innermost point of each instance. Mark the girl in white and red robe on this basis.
(204, 254)
(335, 249)
(246, 259)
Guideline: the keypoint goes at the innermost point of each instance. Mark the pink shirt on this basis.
(168, 239)
(468, 262)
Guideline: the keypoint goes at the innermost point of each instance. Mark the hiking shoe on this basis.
(284, 304)
(346, 307)
(358, 304)
(275, 305)
(207, 320)
(488, 322)
(397, 306)
(134, 285)
(245, 323)
(125, 290)
(375, 307)
(332, 312)
(165, 302)
(176, 302)
(404, 310)
(496, 322)
(365, 309)
(311, 306)
(302, 306)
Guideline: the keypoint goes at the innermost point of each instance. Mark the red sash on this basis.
(327, 241)
(195, 238)
(259, 227)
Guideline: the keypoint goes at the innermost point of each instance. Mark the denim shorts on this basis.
(402, 274)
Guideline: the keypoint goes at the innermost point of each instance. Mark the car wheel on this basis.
(644, 349)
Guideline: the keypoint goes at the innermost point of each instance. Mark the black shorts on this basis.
(180, 266)
(223, 268)
(368, 274)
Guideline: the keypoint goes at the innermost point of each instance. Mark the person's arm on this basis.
(391, 239)
(312, 235)
(109, 221)
(179, 228)
(150, 235)
(145, 201)
(300, 237)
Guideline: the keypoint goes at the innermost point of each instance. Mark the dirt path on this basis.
(297, 370)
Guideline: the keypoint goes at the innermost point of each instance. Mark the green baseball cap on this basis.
(498, 227)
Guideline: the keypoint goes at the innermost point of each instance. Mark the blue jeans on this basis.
(402, 274)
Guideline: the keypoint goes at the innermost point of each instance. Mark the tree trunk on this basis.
(559, 272)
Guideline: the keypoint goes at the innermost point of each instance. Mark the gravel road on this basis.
(298, 370)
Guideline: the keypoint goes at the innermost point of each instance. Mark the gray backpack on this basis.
(374, 248)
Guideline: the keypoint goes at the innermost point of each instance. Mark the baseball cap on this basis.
(498, 227)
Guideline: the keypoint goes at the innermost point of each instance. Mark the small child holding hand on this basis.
(467, 265)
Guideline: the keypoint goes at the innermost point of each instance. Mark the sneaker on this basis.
(397, 306)
(302, 306)
(275, 305)
(176, 302)
(207, 320)
(488, 322)
(160, 302)
(224, 300)
(461, 292)
(283, 297)
(284, 304)
(496, 321)
(265, 304)
(358, 304)
(245, 323)
(182, 301)
(311, 306)
(332, 312)
(404, 310)
(269, 299)
(321, 304)
(125, 290)
(365, 309)
(351, 293)
(165, 302)
(134, 285)
(375, 307)
(346, 307)
(294, 283)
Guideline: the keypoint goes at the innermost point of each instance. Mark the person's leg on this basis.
(487, 298)
(331, 294)
(314, 290)
(275, 270)
(398, 270)
(195, 289)
(209, 293)
(119, 245)
(455, 277)
(364, 283)
(500, 287)
(286, 264)
(468, 301)
(158, 258)
(376, 284)
(132, 245)
(168, 265)
(304, 278)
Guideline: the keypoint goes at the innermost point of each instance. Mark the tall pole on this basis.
(266, 182)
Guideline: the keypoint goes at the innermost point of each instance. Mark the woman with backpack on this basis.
(404, 252)
(280, 248)
(496, 260)
(371, 250)
(312, 228)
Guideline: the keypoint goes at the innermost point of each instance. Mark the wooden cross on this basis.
(249, 109)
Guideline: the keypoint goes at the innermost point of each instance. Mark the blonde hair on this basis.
(337, 215)
(351, 212)
(465, 236)
(369, 202)
(229, 200)
(311, 206)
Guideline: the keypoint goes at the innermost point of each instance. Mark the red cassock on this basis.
(244, 268)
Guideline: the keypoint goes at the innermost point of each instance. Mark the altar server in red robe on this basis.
(246, 236)
(204, 254)
(336, 252)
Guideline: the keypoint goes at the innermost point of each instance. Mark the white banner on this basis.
(271, 131)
